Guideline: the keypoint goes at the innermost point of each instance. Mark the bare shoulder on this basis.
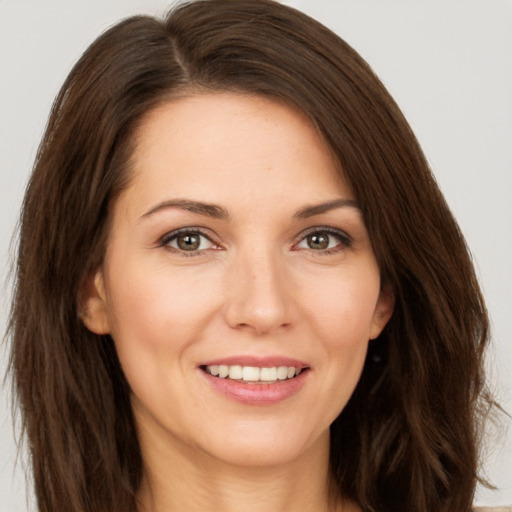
(492, 509)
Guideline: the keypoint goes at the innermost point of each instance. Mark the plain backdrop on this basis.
(448, 63)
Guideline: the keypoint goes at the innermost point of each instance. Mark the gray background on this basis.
(448, 63)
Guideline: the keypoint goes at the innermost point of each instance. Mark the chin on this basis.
(264, 445)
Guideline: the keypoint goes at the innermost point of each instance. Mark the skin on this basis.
(256, 285)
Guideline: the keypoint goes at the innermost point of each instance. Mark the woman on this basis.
(238, 284)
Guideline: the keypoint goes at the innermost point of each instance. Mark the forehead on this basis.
(224, 146)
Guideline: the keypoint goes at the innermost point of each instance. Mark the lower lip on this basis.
(258, 394)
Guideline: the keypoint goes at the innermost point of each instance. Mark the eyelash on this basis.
(173, 235)
(345, 241)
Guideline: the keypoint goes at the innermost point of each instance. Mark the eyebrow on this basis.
(210, 210)
(317, 209)
(218, 212)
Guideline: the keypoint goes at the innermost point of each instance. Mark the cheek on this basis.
(341, 317)
(157, 314)
(158, 310)
(343, 306)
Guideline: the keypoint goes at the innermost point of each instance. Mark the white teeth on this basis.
(268, 374)
(235, 372)
(282, 372)
(253, 373)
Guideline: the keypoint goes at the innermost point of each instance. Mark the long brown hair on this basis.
(408, 438)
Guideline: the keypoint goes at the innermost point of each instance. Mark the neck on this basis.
(178, 477)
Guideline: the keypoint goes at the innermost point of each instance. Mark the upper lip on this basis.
(257, 361)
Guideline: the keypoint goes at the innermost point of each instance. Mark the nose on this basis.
(259, 293)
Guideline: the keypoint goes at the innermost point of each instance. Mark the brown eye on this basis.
(325, 241)
(188, 242)
(318, 241)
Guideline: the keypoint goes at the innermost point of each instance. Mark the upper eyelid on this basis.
(163, 240)
(167, 237)
(324, 229)
(313, 229)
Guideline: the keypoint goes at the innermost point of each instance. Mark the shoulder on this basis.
(492, 509)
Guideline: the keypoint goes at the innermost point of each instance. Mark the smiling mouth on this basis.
(253, 374)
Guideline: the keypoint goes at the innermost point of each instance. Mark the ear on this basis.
(383, 311)
(93, 303)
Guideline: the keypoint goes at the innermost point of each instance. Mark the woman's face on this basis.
(237, 248)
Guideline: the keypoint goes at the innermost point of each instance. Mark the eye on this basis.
(190, 241)
(324, 240)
